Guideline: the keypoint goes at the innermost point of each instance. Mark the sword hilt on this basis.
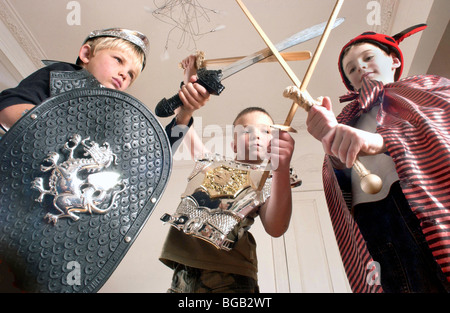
(210, 79)
(166, 107)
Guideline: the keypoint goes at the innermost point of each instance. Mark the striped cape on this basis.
(414, 120)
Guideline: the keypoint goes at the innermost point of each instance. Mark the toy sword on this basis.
(211, 79)
(370, 183)
(287, 56)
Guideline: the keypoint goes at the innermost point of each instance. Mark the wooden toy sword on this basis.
(370, 183)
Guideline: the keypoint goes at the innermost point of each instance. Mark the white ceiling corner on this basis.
(17, 43)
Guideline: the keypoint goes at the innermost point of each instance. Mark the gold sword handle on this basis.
(370, 183)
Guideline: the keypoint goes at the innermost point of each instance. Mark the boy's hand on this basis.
(346, 143)
(321, 119)
(193, 95)
(338, 140)
(280, 150)
(190, 68)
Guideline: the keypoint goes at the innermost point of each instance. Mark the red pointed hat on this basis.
(380, 40)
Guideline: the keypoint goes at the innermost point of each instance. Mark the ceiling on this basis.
(41, 29)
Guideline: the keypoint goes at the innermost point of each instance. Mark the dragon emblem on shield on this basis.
(80, 185)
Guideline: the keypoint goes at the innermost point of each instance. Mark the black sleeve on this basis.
(177, 132)
(35, 88)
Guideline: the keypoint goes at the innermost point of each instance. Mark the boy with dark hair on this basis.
(209, 246)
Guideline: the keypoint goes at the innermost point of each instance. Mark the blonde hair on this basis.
(114, 43)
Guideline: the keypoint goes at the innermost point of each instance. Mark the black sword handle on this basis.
(210, 79)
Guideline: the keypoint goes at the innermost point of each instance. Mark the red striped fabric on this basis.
(414, 120)
(354, 253)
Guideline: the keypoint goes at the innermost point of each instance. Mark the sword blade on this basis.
(211, 79)
(298, 38)
(288, 56)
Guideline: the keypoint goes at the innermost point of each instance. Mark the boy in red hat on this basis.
(400, 130)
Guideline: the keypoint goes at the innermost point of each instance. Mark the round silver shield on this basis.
(80, 175)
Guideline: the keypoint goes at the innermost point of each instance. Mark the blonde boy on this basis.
(114, 56)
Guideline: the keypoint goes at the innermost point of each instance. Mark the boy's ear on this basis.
(396, 63)
(85, 53)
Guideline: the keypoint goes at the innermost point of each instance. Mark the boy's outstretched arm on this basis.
(276, 212)
(343, 142)
(193, 95)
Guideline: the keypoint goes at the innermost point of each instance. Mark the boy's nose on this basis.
(362, 65)
(255, 134)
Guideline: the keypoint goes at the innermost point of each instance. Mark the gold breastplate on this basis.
(219, 196)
